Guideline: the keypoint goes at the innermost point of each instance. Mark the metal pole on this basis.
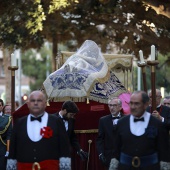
(89, 141)
(12, 68)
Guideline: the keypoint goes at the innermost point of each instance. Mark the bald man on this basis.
(38, 139)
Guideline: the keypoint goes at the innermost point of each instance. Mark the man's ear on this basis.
(146, 105)
(65, 111)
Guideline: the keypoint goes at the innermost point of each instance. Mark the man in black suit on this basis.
(141, 142)
(106, 139)
(38, 139)
(66, 115)
(162, 112)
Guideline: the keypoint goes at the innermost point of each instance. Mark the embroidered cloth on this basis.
(78, 74)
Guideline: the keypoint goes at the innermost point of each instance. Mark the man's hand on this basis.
(83, 155)
(157, 115)
(7, 153)
(102, 159)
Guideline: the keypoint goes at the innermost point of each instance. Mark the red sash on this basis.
(44, 165)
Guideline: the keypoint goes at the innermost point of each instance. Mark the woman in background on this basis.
(7, 109)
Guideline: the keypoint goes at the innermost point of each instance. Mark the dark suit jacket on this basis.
(72, 136)
(153, 140)
(164, 111)
(106, 139)
(25, 150)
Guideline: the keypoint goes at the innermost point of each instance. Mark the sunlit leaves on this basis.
(58, 4)
(37, 14)
(35, 22)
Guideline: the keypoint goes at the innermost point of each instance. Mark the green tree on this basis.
(38, 67)
(20, 27)
(132, 25)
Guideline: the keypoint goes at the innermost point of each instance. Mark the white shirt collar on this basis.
(158, 106)
(117, 115)
(34, 127)
(60, 114)
(138, 128)
(38, 115)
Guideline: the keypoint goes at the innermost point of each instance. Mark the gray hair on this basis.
(167, 97)
(158, 92)
(115, 98)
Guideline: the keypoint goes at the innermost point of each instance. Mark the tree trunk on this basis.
(54, 52)
(7, 62)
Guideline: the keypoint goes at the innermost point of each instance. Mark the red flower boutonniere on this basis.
(46, 132)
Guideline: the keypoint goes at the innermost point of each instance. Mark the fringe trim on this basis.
(65, 163)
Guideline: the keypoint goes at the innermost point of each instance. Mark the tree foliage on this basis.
(21, 22)
(132, 25)
(39, 65)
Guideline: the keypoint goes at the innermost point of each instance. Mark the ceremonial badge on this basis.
(46, 132)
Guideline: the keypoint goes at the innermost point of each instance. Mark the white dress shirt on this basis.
(34, 127)
(138, 128)
(115, 120)
(65, 121)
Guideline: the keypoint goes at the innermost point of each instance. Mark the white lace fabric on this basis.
(65, 163)
(11, 164)
(78, 74)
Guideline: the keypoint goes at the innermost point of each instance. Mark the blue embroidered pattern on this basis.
(65, 79)
(105, 90)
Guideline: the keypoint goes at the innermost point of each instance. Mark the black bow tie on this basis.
(115, 117)
(140, 119)
(64, 119)
(36, 118)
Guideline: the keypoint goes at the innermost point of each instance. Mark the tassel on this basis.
(48, 103)
(88, 100)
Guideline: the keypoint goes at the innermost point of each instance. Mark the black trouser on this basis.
(3, 162)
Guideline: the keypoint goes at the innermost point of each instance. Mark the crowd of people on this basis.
(138, 141)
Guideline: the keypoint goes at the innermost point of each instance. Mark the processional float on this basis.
(89, 76)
